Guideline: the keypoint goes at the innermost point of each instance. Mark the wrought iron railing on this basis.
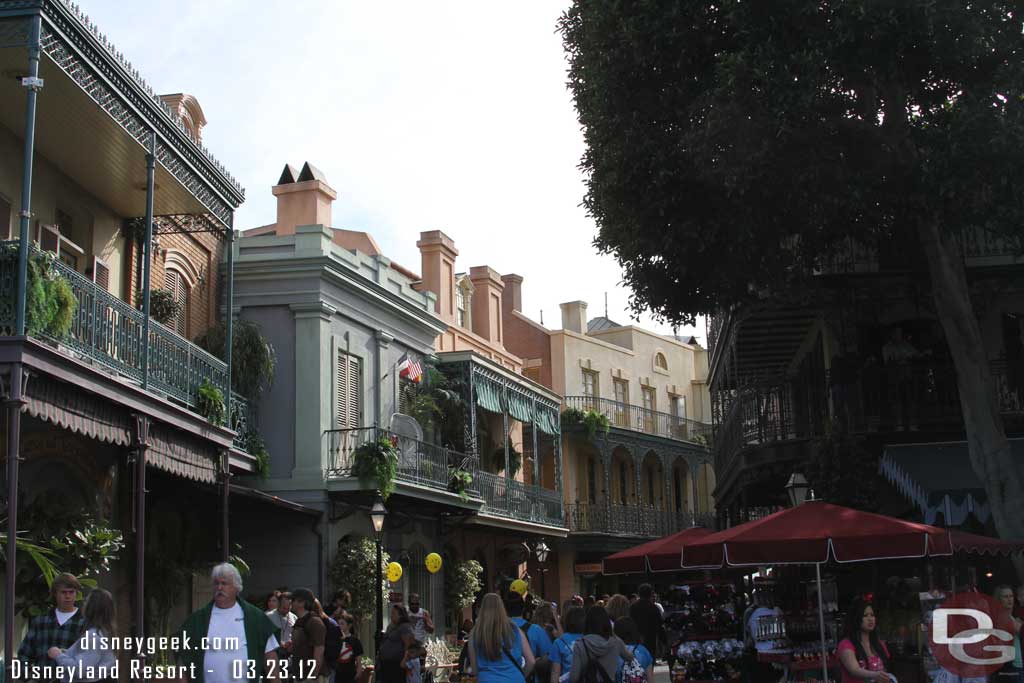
(510, 498)
(638, 419)
(419, 462)
(631, 520)
(107, 331)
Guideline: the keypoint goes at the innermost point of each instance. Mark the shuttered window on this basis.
(175, 284)
(347, 391)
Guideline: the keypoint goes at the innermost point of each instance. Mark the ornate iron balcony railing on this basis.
(107, 331)
(638, 419)
(516, 500)
(419, 462)
(631, 520)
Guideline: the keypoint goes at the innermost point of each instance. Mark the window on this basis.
(621, 416)
(621, 390)
(348, 380)
(175, 283)
(460, 306)
(405, 389)
(590, 388)
(649, 400)
(660, 361)
(677, 405)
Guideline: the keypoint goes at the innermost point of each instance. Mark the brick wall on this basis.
(197, 258)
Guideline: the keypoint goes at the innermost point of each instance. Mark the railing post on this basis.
(147, 255)
(33, 83)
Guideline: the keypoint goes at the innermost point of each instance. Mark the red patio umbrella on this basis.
(812, 533)
(660, 555)
(964, 542)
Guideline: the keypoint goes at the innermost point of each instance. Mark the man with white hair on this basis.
(241, 640)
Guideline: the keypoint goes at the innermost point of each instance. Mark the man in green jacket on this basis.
(229, 640)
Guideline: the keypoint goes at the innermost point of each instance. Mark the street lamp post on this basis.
(542, 550)
(377, 514)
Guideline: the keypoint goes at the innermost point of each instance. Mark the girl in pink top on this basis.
(864, 657)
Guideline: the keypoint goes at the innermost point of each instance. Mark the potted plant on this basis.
(50, 302)
(210, 402)
(375, 463)
(163, 307)
(460, 482)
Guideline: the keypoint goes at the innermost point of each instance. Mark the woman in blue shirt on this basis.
(498, 649)
(629, 632)
(561, 654)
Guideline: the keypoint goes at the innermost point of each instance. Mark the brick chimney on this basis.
(513, 297)
(487, 290)
(437, 265)
(574, 316)
(303, 198)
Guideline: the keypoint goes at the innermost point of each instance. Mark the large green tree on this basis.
(735, 147)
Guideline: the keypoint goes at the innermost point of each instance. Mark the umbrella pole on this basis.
(821, 624)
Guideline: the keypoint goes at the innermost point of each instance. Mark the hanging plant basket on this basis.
(376, 464)
(460, 482)
(210, 403)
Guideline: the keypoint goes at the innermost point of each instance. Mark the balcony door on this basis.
(650, 405)
(621, 414)
(591, 390)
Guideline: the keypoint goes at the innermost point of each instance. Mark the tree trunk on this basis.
(989, 450)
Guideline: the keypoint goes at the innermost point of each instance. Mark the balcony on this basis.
(515, 500)
(638, 419)
(631, 520)
(419, 463)
(108, 333)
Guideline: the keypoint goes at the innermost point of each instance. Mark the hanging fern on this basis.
(460, 482)
(252, 357)
(376, 465)
(210, 402)
(594, 422)
(515, 459)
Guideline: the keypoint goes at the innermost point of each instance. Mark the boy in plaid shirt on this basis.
(58, 628)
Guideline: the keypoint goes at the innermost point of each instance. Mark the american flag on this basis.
(410, 369)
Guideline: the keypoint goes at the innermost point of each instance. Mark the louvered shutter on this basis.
(101, 274)
(347, 382)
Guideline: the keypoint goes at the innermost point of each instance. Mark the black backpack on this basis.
(593, 672)
(332, 643)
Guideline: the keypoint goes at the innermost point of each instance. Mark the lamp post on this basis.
(377, 514)
(796, 489)
(541, 550)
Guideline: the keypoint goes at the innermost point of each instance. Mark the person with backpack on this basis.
(641, 669)
(561, 656)
(540, 641)
(332, 640)
(595, 656)
(498, 650)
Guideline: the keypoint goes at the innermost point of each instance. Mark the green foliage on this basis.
(733, 149)
(210, 402)
(50, 304)
(163, 307)
(593, 422)
(436, 403)
(843, 471)
(462, 582)
(354, 569)
(253, 361)
(515, 459)
(375, 463)
(173, 554)
(237, 562)
(60, 540)
(256, 447)
(460, 482)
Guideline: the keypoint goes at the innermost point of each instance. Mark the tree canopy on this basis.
(735, 147)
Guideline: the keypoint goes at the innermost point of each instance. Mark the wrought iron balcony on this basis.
(108, 332)
(631, 520)
(638, 419)
(419, 463)
(516, 500)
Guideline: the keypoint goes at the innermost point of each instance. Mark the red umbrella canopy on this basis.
(661, 555)
(810, 533)
(964, 542)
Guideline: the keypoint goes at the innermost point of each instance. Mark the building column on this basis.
(225, 504)
(148, 257)
(141, 448)
(33, 84)
(383, 342)
(15, 401)
(229, 318)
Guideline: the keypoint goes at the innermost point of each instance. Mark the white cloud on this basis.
(450, 115)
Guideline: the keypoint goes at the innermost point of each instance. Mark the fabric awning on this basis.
(939, 480)
(974, 544)
(68, 407)
(496, 394)
(488, 393)
(180, 454)
(660, 555)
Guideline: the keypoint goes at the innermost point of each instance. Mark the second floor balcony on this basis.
(644, 420)
(632, 520)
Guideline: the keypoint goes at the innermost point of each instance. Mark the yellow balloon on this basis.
(394, 572)
(433, 563)
(519, 586)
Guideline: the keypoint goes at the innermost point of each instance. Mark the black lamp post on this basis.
(541, 550)
(377, 514)
(796, 489)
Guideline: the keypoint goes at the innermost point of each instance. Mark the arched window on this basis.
(174, 282)
(660, 361)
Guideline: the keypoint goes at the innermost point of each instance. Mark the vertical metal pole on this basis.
(229, 323)
(821, 625)
(142, 429)
(147, 257)
(33, 83)
(15, 401)
(378, 626)
(225, 493)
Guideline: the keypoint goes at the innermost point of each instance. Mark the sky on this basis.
(442, 115)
